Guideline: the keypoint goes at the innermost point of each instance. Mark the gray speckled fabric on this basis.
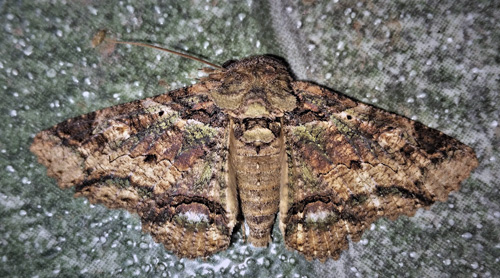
(437, 62)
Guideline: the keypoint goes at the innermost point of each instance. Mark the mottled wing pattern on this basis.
(350, 164)
(164, 158)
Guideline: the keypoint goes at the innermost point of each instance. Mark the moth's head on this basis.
(255, 87)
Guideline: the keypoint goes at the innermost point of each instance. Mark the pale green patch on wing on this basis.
(311, 133)
(197, 133)
(343, 127)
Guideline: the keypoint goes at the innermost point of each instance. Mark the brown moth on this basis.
(250, 139)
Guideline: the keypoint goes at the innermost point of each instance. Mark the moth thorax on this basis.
(255, 137)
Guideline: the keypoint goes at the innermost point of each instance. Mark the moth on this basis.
(250, 141)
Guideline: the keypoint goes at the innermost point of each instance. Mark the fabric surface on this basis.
(437, 62)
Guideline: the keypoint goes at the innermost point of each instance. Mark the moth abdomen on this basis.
(259, 191)
(258, 175)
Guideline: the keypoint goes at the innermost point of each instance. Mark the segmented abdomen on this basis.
(258, 179)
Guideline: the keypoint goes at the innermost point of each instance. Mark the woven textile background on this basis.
(437, 62)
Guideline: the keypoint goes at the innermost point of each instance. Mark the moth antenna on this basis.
(100, 36)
